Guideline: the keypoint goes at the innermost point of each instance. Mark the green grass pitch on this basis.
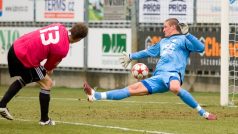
(158, 113)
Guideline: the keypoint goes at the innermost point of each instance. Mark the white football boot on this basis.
(49, 122)
(5, 113)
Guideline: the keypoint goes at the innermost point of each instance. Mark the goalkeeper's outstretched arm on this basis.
(152, 51)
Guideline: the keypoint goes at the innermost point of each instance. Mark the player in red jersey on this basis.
(25, 57)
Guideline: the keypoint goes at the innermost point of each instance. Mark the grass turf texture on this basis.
(158, 112)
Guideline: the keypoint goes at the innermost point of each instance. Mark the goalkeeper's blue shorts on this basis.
(160, 83)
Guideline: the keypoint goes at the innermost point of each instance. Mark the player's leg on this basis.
(15, 69)
(44, 96)
(148, 86)
(187, 98)
(10, 93)
(137, 89)
(116, 94)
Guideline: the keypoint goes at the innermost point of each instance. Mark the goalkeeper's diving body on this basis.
(50, 43)
(174, 52)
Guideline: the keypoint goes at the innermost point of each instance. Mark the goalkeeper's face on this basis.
(169, 29)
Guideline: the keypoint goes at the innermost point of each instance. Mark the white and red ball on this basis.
(140, 71)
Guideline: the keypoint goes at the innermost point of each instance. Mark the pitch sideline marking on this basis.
(100, 126)
(114, 127)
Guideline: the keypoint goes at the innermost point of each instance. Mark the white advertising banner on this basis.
(16, 10)
(210, 11)
(150, 11)
(8, 35)
(75, 57)
(157, 11)
(106, 45)
(60, 10)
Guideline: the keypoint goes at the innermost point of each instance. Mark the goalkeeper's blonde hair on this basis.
(174, 21)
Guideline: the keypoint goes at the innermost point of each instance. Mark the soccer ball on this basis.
(139, 71)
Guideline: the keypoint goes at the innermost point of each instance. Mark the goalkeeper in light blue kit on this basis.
(174, 51)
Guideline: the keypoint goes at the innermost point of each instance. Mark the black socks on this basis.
(44, 98)
(15, 87)
(11, 92)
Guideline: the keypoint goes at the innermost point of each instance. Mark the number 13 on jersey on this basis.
(49, 33)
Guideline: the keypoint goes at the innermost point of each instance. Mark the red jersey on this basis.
(50, 43)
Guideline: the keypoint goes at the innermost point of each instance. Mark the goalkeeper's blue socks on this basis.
(117, 94)
(189, 100)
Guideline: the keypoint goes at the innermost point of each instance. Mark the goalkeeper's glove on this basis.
(184, 28)
(125, 59)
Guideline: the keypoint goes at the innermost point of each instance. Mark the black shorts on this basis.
(16, 68)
